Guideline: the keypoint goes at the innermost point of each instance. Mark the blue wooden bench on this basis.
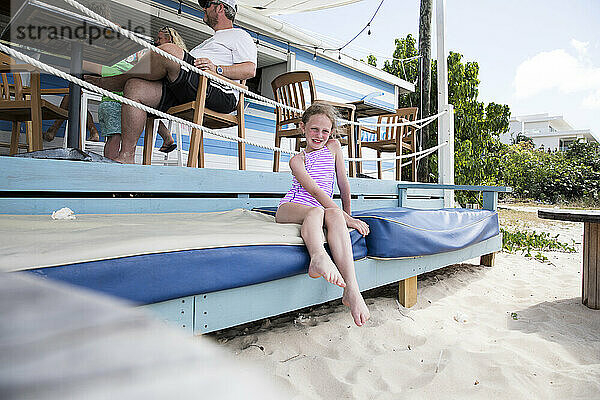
(38, 187)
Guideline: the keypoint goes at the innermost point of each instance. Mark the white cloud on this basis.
(581, 47)
(559, 70)
(592, 101)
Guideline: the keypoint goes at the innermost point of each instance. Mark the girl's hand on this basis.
(359, 225)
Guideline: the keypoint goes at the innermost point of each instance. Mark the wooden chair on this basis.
(196, 112)
(393, 139)
(20, 103)
(289, 89)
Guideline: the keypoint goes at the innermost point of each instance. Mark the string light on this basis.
(369, 31)
(179, 10)
(315, 55)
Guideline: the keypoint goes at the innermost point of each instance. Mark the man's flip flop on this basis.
(168, 149)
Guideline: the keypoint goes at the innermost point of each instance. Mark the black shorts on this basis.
(184, 88)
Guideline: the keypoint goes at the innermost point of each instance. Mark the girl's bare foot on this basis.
(322, 266)
(358, 308)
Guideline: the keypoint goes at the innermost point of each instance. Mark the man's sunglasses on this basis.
(206, 3)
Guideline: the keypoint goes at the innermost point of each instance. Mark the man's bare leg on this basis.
(112, 146)
(133, 120)
(341, 250)
(151, 67)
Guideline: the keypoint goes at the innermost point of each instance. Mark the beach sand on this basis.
(517, 330)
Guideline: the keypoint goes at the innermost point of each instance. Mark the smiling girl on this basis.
(309, 202)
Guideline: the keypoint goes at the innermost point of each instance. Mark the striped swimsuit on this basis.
(320, 165)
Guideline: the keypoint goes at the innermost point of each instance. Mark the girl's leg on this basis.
(341, 249)
(311, 219)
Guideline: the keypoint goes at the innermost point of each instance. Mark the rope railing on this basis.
(254, 97)
(265, 100)
(44, 67)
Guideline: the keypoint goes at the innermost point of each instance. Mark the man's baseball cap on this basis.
(231, 3)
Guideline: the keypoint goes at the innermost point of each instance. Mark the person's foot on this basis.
(49, 134)
(358, 308)
(322, 266)
(168, 145)
(125, 158)
(94, 136)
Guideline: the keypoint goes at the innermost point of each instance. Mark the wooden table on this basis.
(78, 44)
(366, 109)
(590, 295)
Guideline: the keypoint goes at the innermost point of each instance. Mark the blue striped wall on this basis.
(333, 81)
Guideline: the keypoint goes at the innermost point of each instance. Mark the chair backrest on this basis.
(390, 133)
(289, 89)
(5, 80)
(11, 84)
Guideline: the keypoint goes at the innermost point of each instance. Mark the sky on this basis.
(536, 56)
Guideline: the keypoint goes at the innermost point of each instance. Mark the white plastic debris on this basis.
(460, 317)
(63, 213)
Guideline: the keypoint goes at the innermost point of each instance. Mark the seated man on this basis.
(160, 83)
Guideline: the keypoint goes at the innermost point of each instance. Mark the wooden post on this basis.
(590, 293)
(407, 291)
(148, 142)
(488, 259)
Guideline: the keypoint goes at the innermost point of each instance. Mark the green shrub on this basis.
(553, 177)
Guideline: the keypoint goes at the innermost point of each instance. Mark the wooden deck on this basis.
(31, 186)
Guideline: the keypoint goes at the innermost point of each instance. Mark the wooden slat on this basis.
(68, 176)
(263, 300)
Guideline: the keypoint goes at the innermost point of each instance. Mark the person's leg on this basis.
(109, 117)
(338, 239)
(51, 132)
(151, 67)
(165, 135)
(112, 146)
(133, 120)
(94, 136)
(311, 219)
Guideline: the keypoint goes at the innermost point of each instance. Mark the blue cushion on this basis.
(405, 232)
(151, 278)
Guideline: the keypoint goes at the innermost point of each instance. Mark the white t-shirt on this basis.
(227, 47)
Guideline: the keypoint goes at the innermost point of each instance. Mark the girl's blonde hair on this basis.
(176, 39)
(322, 109)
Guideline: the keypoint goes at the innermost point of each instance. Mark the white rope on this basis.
(399, 157)
(132, 103)
(187, 66)
(429, 151)
(44, 67)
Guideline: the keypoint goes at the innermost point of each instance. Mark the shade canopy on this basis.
(278, 7)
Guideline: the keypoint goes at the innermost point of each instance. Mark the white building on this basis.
(547, 131)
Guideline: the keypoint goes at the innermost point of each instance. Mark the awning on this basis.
(277, 7)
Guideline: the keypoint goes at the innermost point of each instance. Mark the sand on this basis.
(517, 330)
